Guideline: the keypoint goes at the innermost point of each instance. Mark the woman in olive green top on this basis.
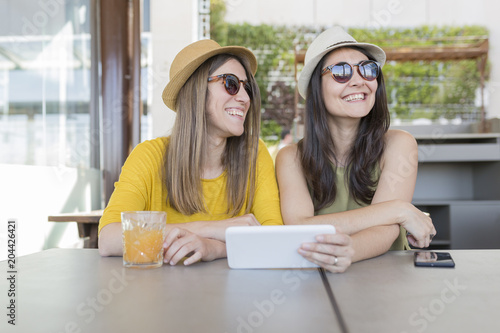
(350, 170)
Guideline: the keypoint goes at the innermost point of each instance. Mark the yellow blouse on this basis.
(141, 187)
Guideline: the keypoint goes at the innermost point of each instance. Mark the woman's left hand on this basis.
(180, 243)
(333, 252)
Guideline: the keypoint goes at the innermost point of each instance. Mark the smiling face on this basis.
(353, 99)
(226, 113)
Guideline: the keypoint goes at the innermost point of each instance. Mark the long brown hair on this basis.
(184, 154)
(317, 149)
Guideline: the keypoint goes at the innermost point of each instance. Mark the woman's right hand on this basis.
(419, 226)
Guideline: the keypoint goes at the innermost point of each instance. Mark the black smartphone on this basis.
(433, 259)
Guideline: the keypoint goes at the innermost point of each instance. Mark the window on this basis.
(45, 80)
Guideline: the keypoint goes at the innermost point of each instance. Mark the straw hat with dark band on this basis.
(327, 41)
(191, 57)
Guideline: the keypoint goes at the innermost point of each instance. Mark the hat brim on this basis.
(305, 75)
(176, 82)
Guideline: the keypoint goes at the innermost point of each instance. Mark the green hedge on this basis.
(433, 90)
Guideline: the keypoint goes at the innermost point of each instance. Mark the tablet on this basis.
(271, 246)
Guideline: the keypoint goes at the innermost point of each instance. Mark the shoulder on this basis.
(399, 146)
(153, 144)
(262, 145)
(153, 149)
(399, 139)
(288, 155)
(263, 152)
(264, 159)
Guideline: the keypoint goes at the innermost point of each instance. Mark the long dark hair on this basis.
(317, 149)
(185, 152)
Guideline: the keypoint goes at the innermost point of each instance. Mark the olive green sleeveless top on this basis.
(344, 202)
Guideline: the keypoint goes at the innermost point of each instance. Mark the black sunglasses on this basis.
(342, 72)
(232, 83)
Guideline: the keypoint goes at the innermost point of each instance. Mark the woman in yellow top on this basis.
(212, 172)
(350, 170)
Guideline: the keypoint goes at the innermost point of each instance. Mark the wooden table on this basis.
(75, 290)
(390, 294)
(87, 222)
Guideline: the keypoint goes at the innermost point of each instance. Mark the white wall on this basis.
(173, 26)
(30, 194)
(382, 13)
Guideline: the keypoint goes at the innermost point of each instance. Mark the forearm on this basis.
(373, 242)
(216, 229)
(356, 220)
(110, 240)
(207, 229)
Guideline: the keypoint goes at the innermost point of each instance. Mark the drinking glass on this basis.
(143, 236)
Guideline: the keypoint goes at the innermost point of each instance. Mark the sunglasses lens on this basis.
(232, 85)
(369, 70)
(341, 72)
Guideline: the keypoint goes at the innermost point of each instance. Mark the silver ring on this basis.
(336, 261)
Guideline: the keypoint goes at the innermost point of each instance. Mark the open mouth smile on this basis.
(354, 97)
(233, 112)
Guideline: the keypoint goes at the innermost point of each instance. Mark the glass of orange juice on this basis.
(143, 237)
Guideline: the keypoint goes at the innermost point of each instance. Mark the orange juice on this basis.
(142, 246)
(143, 235)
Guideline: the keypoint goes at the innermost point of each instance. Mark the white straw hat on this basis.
(327, 41)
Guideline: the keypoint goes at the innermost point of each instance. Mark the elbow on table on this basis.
(107, 250)
(110, 240)
(103, 249)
